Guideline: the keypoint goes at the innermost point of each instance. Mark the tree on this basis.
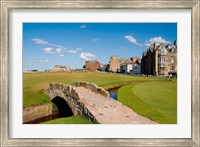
(84, 66)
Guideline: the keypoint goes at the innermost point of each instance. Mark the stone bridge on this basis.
(93, 103)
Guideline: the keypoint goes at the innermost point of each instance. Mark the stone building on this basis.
(160, 60)
(115, 62)
(60, 68)
(92, 65)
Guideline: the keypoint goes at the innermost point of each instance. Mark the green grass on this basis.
(69, 120)
(35, 98)
(33, 83)
(156, 100)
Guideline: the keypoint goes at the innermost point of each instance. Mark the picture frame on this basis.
(7, 5)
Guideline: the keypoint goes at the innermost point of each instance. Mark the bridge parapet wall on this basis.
(71, 96)
(66, 89)
(93, 87)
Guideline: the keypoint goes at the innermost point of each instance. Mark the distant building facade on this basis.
(126, 68)
(60, 68)
(33, 70)
(92, 65)
(131, 68)
(104, 67)
(136, 68)
(117, 65)
(160, 60)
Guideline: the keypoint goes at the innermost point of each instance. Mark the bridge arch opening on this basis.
(63, 107)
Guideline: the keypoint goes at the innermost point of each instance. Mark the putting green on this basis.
(153, 99)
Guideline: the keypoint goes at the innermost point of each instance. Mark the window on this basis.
(162, 68)
(162, 51)
(135, 66)
(173, 51)
(172, 60)
(172, 67)
(162, 59)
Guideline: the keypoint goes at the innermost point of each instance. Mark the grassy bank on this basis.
(153, 99)
(69, 120)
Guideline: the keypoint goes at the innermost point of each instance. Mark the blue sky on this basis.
(70, 44)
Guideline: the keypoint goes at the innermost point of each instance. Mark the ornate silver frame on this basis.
(7, 5)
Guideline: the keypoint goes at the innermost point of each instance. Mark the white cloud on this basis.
(58, 50)
(131, 39)
(55, 45)
(39, 41)
(42, 42)
(157, 40)
(62, 55)
(78, 49)
(147, 43)
(46, 60)
(83, 26)
(48, 50)
(87, 56)
(95, 40)
(72, 51)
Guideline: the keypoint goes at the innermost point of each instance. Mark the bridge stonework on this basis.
(70, 94)
(93, 87)
(93, 103)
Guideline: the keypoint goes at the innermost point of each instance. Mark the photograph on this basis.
(99, 73)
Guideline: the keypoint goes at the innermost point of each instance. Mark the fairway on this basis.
(33, 83)
(155, 98)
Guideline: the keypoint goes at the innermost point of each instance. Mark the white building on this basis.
(126, 67)
(136, 68)
(60, 68)
(131, 68)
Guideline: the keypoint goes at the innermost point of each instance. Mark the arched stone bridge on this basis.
(93, 103)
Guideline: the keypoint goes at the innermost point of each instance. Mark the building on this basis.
(160, 60)
(104, 67)
(126, 68)
(60, 68)
(115, 62)
(33, 70)
(136, 68)
(92, 65)
(131, 68)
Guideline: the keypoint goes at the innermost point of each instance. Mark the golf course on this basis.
(154, 98)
